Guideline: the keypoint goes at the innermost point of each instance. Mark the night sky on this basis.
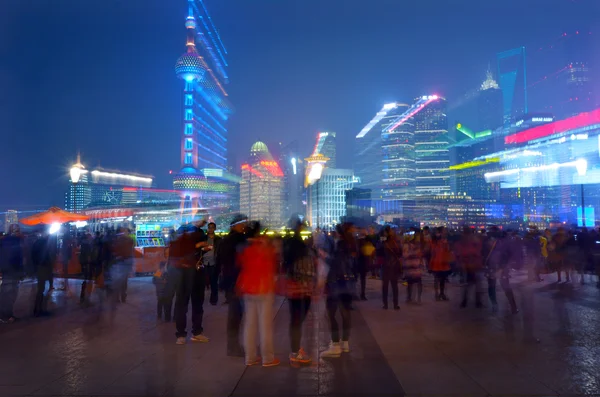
(96, 76)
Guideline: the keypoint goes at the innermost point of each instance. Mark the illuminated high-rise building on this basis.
(432, 157)
(326, 145)
(512, 73)
(578, 74)
(11, 217)
(292, 165)
(203, 179)
(261, 188)
(489, 104)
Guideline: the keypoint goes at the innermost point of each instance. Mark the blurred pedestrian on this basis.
(441, 258)
(391, 265)
(469, 252)
(209, 261)
(164, 299)
(43, 256)
(227, 261)
(85, 260)
(11, 267)
(412, 264)
(300, 274)
(256, 284)
(123, 247)
(341, 284)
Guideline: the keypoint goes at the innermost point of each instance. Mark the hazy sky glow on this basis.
(96, 76)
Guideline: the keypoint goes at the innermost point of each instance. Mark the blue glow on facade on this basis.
(205, 103)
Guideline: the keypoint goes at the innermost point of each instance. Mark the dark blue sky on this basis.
(96, 76)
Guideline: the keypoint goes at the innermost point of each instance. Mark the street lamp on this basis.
(314, 171)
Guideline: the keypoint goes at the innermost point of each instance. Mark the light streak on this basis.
(412, 111)
(472, 164)
(380, 115)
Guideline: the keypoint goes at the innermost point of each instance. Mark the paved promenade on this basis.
(551, 348)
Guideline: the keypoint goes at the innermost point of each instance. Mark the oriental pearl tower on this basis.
(203, 180)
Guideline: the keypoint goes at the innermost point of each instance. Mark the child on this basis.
(164, 302)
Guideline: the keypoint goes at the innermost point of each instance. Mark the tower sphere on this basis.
(190, 23)
(189, 67)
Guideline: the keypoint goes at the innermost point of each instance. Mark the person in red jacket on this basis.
(256, 284)
(439, 264)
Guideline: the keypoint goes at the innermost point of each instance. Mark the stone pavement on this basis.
(551, 348)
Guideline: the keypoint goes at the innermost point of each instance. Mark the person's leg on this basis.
(409, 289)
(295, 324)
(12, 296)
(265, 327)
(183, 294)
(385, 280)
(467, 283)
(394, 281)
(251, 303)
(505, 285)
(363, 282)
(214, 285)
(38, 306)
(345, 304)
(234, 319)
(492, 291)
(477, 280)
(443, 277)
(436, 285)
(198, 290)
(332, 306)
(419, 289)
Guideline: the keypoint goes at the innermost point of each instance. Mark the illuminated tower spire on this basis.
(489, 80)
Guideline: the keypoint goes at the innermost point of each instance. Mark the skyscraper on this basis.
(489, 104)
(432, 157)
(292, 166)
(398, 155)
(261, 187)
(11, 217)
(512, 72)
(368, 167)
(327, 197)
(326, 145)
(205, 111)
(578, 74)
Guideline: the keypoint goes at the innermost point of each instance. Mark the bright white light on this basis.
(381, 114)
(132, 178)
(316, 170)
(323, 133)
(189, 78)
(294, 164)
(434, 97)
(80, 224)
(581, 166)
(75, 173)
(54, 228)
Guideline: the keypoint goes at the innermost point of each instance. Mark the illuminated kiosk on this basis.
(203, 181)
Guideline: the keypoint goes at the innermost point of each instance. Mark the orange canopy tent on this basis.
(53, 215)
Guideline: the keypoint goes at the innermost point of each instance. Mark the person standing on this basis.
(123, 251)
(189, 281)
(367, 249)
(391, 267)
(210, 262)
(469, 251)
(164, 300)
(85, 260)
(256, 284)
(441, 257)
(227, 261)
(340, 288)
(300, 274)
(43, 254)
(11, 267)
(412, 262)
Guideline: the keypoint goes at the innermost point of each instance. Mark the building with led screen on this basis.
(261, 188)
(203, 180)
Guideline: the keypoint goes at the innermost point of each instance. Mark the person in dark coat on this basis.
(227, 262)
(209, 261)
(43, 256)
(11, 267)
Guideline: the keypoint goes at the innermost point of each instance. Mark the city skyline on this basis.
(144, 121)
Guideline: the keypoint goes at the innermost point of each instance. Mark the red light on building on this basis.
(579, 121)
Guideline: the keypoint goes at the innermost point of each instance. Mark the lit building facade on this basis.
(512, 73)
(203, 180)
(327, 146)
(432, 157)
(489, 104)
(327, 198)
(11, 217)
(102, 188)
(261, 188)
(292, 166)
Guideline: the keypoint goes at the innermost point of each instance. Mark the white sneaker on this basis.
(345, 346)
(199, 338)
(180, 341)
(334, 350)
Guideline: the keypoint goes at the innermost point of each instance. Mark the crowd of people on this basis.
(106, 262)
(251, 268)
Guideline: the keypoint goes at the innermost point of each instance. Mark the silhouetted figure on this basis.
(11, 267)
(43, 256)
